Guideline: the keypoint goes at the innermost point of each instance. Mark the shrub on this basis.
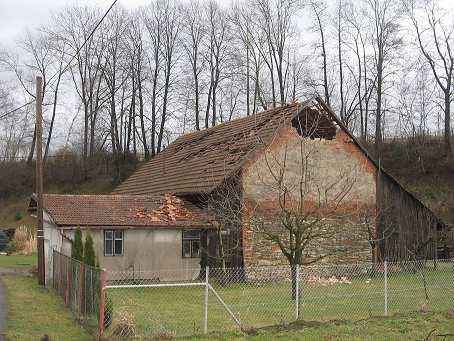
(3, 240)
(89, 251)
(77, 246)
(10, 247)
(25, 240)
(18, 216)
(20, 237)
(124, 325)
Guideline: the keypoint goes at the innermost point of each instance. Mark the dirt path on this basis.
(3, 309)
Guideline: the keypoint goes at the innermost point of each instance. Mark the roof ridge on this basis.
(277, 109)
(109, 195)
(222, 124)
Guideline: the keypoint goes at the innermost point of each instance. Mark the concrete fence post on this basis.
(385, 273)
(54, 282)
(80, 289)
(297, 293)
(207, 287)
(102, 303)
(69, 268)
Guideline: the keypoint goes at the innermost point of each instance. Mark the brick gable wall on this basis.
(328, 160)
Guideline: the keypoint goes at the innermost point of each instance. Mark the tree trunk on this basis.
(196, 92)
(132, 113)
(213, 104)
(341, 73)
(86, 127)
(247, 81)
(153, 99)
(447, 132)
(142, 121)
(221, 250)
(164, 109)
(294, 281)
(378, 118)
(207, 111)
(32, 147)
(51, 127)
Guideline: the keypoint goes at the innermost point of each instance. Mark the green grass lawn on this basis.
(412, 326)
(18, 261)
(180, 310)
(34, 311)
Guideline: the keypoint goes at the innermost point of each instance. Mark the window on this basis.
(191, 244)
(113, 243)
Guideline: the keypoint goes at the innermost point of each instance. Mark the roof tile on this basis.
(198, 162)
(124, 210)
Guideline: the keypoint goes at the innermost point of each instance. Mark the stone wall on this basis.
(331, 168)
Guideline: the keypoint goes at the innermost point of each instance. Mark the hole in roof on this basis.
(314, 124)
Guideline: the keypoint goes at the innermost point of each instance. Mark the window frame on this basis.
(191, 240)
(113, 239)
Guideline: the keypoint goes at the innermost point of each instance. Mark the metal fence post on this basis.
(297, 293)
(386, 286)
(207, 286)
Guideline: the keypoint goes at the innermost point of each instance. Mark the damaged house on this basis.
(222, 195)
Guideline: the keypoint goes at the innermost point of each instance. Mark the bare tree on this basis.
(356, 42)
(227, 208)
(277, 17)
(13, 127)
(216, 53)
(154, 22)
(115, 73)
(194, 31)
(58, 48)
(37, 60)
(171, 33)
(384, 20)
(74, 26)
(253, 39)
(138, 71)
(301, 208)
(435, 40)
(341, 67)
(319, 9)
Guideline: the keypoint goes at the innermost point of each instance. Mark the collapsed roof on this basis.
(164, 211)
(198, 162)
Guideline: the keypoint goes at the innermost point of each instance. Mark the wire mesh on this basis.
(160, 304)
(79, 286)
(421, 286)
(174, 302)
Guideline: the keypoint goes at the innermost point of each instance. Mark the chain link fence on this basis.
(165, 304)
(79, 285)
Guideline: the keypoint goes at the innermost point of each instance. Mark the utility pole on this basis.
(39, 178)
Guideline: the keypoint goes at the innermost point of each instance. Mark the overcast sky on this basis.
(18, 15)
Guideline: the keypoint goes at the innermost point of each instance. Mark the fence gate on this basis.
(140, 304)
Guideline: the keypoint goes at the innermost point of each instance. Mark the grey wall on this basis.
(150, 253)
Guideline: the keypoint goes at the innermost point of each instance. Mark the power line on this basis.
(70, 61)
(16, 109)
(25, 158)
(85, 42)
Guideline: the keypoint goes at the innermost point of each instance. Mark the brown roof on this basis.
(165, 211)
(198, 162)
